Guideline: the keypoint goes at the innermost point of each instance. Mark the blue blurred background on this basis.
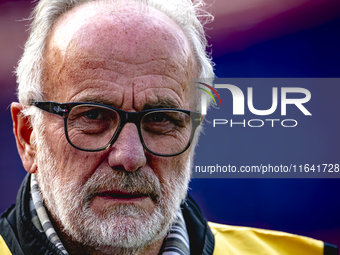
(249, 38)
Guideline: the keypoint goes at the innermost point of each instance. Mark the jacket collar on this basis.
(31, 240)
(201, 238)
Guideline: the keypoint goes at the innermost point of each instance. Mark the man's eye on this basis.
(93, 114)
(159, 117)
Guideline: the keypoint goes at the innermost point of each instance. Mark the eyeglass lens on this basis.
(93, 127)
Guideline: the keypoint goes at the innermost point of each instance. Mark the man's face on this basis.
(131, 60)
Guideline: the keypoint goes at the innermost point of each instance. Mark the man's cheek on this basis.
(165, 168)
(80, 165)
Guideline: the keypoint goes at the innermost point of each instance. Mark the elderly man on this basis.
(105, 128)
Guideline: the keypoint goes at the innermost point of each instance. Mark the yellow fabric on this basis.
(234, 240)
(3, 247)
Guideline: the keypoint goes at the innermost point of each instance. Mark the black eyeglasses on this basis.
(95, 127)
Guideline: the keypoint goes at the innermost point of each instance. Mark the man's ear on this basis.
(24, 137)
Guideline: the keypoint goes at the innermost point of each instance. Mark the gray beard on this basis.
(123, 228)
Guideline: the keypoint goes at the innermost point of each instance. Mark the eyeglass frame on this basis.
(63, 109)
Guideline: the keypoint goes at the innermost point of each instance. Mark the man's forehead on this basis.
(131, 42)
(119, 30)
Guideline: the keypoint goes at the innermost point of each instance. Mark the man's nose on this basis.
(127, 153)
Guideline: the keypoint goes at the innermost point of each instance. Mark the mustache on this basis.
(137, 182)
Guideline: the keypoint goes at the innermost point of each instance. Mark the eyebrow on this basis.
(164, 103)
(91, 99)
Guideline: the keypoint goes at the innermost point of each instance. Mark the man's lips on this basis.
(121, 195)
